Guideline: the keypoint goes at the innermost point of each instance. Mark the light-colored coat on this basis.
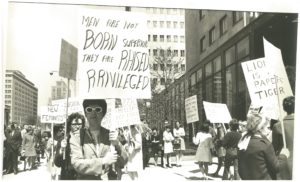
(168, 145)
(204, 142)
(28, 144)
(87, 160)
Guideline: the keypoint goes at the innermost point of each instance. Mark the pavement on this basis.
(188, 171)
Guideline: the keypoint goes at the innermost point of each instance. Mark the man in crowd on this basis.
(13, 144)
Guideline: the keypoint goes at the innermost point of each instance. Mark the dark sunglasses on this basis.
(91, 109)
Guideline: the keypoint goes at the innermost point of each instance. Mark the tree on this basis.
(165, 68)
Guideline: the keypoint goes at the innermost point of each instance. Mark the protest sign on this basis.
(113, 55)
(120, 114)
(267, 81)
(191, 109)
(52, 114)
(217, 112)
(68, 60)
(74, 105)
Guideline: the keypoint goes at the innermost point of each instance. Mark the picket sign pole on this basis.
(225, 131)
(193, 128)
(281, 120)
(64, 155)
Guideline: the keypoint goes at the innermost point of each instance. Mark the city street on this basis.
(188, 171)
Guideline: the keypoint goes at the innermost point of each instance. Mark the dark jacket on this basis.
(258, 161)
(13, 142)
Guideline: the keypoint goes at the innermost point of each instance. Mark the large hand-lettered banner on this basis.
(191, 109)
(217, 112)
(123, 112)
(113, 55)
(267, 81)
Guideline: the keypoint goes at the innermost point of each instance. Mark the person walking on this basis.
(179, 143)
(134, 147)
(230, 142)
(203, 154)
(286, 173)
(256, 157)
(168, 146)
(220, 150)
(28, 148)
(13, 144)
(155, 142)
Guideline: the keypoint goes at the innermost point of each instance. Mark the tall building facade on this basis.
(59, 91)
(21, 96)
(166, 40)
(217, 42)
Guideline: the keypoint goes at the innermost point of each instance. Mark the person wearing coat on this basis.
(28, 148)
(95, 151)
(203, 154)
(168, 146)
(13, 144)
(286, 173)
(256, 157)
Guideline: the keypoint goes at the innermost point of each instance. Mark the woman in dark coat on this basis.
(256, 157)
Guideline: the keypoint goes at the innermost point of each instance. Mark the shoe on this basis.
(169, 166)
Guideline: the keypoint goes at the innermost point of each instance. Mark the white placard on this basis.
(113, 59)
(74, 105)
(52, 114)
(217, 112)
(267, 81)
(191, 109)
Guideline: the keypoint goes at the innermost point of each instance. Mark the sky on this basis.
(34, 33)
(34, 37)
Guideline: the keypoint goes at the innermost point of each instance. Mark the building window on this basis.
(217, 64)
(168, 24)
(175, 24)
(168, 11)
(208, 69)
(175, 52)
(149, 52)
(181, 24)
(162, 24)
(155, 67)
(243, 48)
(175, 38)
(202, 44)
(181, 53)
(162, 67)
(154, 81)
(161, 11)
(182, 39)
(230, 56)
(154, 24)
(168, 38)
(201, 14)
(223, 25)
(212, 35)
(181, 11)
(237, 16)
(148, 10)
(149, 23)
(182, 67)
(162, 81)
(154, 10)
(162, 38)
(162, 52)
(176, 68)
(169, 52)
(127, 8)
(199, 75)
(149, 37)
(154, 52)
(154, 38)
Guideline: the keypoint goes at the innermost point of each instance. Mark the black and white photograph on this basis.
(139, 91)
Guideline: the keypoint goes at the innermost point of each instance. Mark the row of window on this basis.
(223, 25)
(175, 67)
(165, 11)
(166, 38)
(165, 24)
(169, 53)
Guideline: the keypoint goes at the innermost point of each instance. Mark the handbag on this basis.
(176, 143)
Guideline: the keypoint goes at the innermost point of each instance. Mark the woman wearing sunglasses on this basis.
(91, 155)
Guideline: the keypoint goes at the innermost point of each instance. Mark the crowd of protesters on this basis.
(88, 151)
(22, 144)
